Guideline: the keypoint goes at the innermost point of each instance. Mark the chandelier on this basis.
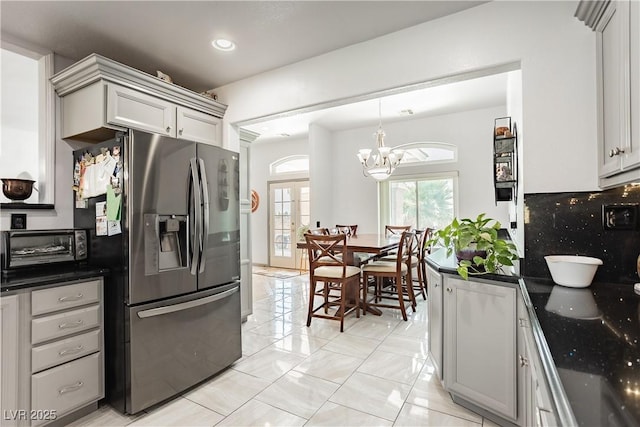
(380, 164)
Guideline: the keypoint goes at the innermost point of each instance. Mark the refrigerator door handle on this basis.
(186, 305)
(205, 204)
(196, 242)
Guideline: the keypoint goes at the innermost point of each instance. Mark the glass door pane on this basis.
(289, 211)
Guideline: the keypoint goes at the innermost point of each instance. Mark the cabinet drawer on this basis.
(58, 352)
(67, 323)
(66, 296)
(68, 386)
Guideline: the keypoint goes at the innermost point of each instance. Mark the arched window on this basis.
(428, 152)
(290, 165)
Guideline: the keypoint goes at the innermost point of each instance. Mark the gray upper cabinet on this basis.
(618, 57)
(100, 96)
(612, 106)
(480, 347)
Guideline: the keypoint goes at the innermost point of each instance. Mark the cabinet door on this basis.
(9, 346)
(480, 344)
(631, 157)
(612, 99)
(133, 109)
(434, 290)
(526, 393)
(199, 127)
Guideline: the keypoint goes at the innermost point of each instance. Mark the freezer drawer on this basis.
(177, 343)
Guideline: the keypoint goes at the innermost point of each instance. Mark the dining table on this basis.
(368, 243)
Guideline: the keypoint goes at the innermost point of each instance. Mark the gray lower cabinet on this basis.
(536, 403)
(52, 352)
(434, 290)
(9, 349)
(480, 363)
(67, 358)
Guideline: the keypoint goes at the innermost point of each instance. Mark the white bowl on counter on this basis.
(574, 271)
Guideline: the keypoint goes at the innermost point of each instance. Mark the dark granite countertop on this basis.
(40, 277)
(592, 339)
(592, 334)
(440, 261)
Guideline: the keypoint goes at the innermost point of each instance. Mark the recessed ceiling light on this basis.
(223, 44)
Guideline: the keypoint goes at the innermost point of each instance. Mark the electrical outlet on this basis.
(622, 216)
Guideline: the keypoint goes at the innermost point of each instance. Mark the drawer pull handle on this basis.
(75, 324)
(76, 297)
(70, 388)
(72, 350)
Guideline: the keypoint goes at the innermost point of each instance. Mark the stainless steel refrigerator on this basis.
(172, 299)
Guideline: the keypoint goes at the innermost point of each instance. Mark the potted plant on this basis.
(476, 245)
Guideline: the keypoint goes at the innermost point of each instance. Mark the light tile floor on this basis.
(376, 373)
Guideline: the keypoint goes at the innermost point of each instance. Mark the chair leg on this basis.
(421, 280)
(343, 304)
(365, 285)
(312, 294)
(409, 285)
(326, 298)
(401, 297)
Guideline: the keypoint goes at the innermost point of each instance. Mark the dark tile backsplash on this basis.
(571, 224)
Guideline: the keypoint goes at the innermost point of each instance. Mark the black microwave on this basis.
(41, 248)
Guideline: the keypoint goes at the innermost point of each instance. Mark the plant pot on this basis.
(469, 253)
(17, 189)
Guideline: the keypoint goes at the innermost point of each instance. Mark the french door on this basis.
(289, 210)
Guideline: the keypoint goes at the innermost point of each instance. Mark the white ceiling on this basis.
(471, 94)
(175, 37)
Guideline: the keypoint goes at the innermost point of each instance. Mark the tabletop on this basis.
(371, 243)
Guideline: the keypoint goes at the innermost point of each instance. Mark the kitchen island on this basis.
(586, 342)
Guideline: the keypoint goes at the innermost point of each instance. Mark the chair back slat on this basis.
(405, 248)
(349, 230)
(390, 230)
(326, 250)
(319, 231)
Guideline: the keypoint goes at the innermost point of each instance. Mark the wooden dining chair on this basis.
(422, 252)
(350, 230)
(319, 231)
(413, 262)
(398, 285)
(390, 230)
(340, 288)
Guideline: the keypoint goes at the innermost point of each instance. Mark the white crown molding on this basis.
(95, 67)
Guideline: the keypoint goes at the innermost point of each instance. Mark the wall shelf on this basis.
(505, 175)
(25, 206)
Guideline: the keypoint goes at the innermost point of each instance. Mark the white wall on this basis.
(62, 215)
(555, 50)
(322, 174)
(355, 197)
(345, 196)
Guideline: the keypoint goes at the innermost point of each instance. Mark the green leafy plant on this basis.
(480, 236)
(300, 232)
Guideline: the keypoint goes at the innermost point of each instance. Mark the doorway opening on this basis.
(289, 214)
